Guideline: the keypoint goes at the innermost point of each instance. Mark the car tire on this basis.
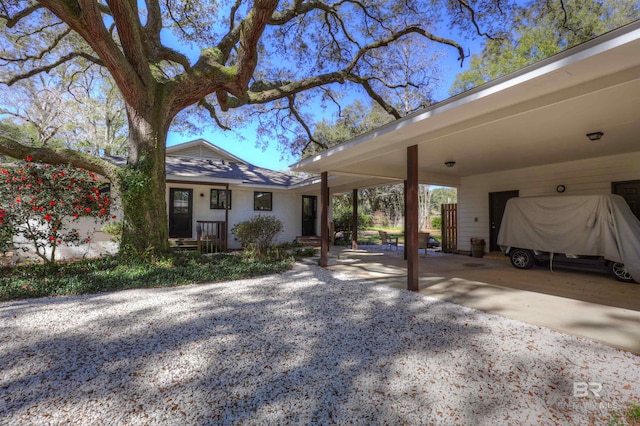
(620, 273)
(522, 258)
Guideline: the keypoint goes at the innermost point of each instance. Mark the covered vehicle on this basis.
(576, 230)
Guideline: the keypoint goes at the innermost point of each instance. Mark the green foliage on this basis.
(114, 228)
(343, 220)
(443, 195)
(436, 222)
(135, 184)
(40, 203)
(6, 236)
(257, 233)
(542, 29)
(353, 121)
(119, 273)
(633, 413)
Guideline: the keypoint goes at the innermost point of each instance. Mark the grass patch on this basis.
(631, 415)
(114, 273)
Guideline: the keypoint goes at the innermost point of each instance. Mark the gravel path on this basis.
(307, 347)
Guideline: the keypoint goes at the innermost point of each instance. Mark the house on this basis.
(208, 191)
(208, 185)
(566, 125)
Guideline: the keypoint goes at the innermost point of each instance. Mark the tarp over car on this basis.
(588, 225)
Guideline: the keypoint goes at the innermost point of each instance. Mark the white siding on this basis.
(581, 177)
(196, 151)
(287, 206)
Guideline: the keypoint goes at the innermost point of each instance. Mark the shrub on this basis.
(258, 232)
(114, 229)
(343, 221)
(6, 236)
(41, 202)
(436, 222)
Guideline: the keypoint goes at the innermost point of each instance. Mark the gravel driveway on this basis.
(307, 347)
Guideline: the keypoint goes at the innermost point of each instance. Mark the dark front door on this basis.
(309, 214)
(497, 204)
(180, 212)
(631, 192)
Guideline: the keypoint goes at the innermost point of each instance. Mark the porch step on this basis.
(310, 240)
(182, 244)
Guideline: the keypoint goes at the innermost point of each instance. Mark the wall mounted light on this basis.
(202, 194)
(595, 136)
(449, 163)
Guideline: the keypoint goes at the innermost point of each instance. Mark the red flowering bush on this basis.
(40, 203)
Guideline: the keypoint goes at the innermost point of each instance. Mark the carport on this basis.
(540, 115)
(584, 304)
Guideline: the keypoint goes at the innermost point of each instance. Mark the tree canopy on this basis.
(541, 30)
(274, 62)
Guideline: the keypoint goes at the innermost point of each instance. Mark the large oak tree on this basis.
(260, 56)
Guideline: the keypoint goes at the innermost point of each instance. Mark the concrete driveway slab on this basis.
(585, 304)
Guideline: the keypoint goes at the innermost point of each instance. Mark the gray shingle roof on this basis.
(190, 167)
(215, 170)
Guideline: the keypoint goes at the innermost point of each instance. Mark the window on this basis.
(219, 199)
(262, 201)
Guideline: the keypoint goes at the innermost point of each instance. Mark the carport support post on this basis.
(324, 220)
(411, 214)
(404, 218)
(354, 221)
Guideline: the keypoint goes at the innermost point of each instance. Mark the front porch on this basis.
(211, 237)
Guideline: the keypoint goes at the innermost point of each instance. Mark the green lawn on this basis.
(113, 273)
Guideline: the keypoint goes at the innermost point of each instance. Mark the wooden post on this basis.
(404, 218)
(354, 228)
(411, 213)
(324, 220)
(226, 219)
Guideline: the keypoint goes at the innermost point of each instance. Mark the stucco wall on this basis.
(581, 177)
(100, 243)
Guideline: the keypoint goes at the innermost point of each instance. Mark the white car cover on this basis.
(595, 225)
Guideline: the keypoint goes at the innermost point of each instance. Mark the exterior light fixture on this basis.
(595, 136)
(449, 163)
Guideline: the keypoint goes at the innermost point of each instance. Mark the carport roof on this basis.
(538, 115)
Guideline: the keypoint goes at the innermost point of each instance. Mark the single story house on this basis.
(208, 191)
(569, 124)
(206, 184)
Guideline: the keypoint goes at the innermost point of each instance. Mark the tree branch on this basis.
(16, 150)
(56, 41)
(252, 28)
(135, 44)
(13, 20)
(375, 96)
(302, 122)
(464, 4)
(212, 113)
(49, 67)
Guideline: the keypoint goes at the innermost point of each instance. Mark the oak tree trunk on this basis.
(143, 183)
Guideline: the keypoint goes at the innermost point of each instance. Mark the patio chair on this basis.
(423, 241)
(388, 240)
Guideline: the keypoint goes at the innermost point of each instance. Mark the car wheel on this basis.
(620, 273)
(521, 258)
